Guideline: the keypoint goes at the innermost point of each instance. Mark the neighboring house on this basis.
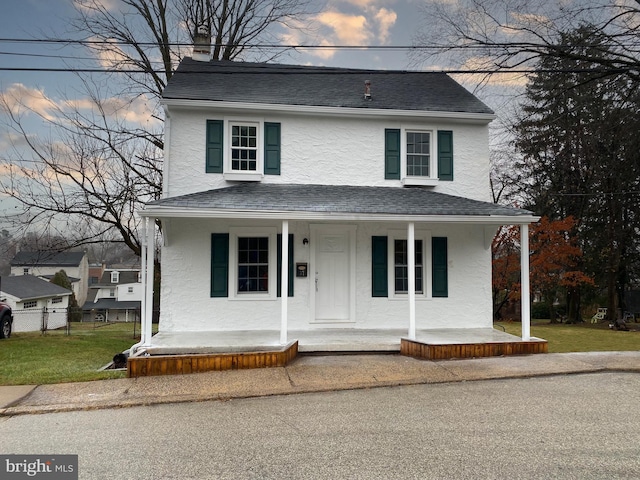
(115, 297)
(34, 301)
(378, 181)
(46, 264)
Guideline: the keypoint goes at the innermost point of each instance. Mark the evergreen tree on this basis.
(578, 137)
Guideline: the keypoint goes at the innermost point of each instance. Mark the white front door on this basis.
(333, 272)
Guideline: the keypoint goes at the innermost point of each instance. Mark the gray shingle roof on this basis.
(28, 287)
(124, 277)
(319, 86)
(336, 199)
(111, 304)
(48, 258)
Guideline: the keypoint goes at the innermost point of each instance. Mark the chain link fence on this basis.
(39, 319)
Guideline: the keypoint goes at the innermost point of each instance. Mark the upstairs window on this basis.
(115, 277)
(244, 147)
(418, 159)
(417, 156)
(243, 150)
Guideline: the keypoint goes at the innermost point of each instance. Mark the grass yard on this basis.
(33, 358)
(583, 337)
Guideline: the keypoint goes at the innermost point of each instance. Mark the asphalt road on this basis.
(577, 426)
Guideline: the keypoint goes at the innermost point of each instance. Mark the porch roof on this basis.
(346, 202)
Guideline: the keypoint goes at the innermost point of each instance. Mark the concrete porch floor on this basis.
(319, 340)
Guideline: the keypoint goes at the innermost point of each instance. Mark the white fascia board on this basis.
(321, 110)
(170, 212)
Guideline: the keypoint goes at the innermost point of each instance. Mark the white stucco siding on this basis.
(186, 304)
(469, 303)
(326, 150)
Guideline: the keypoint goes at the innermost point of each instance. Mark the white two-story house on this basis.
(45, 264)
(115, 297)
(303, 202)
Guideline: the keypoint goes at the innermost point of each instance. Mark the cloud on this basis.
(91, 5)
(345, 23)
(386, 19)
(136, 110)
(19, 99)
(347, 29)
(11, 140)
(110, 56)
(499, 79)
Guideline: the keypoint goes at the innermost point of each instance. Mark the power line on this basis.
(316, 72)
(85, 42)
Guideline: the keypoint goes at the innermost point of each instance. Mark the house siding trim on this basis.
(483, 118)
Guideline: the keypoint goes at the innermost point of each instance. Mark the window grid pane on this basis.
(253, 264)
(401, 260)
(244, 148)
(418, 153)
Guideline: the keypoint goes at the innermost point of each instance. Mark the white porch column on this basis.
(148, 292)
(525, 308)
(411, 278)
(284, 284)
(143, 280)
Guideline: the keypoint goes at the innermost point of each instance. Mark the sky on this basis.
(385, 23)
(340, 22)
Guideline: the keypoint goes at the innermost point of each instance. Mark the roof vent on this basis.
(367, 90)
(202, 44)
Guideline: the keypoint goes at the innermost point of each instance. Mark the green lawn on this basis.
(583, 337)
(33, 358)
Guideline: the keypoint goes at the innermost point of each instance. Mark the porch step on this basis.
(151, 365)
(441, 351)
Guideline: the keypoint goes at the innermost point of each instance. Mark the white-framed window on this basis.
(129, 289)
(244, 149)
(252, 263)
(56, 300)
(244, 146)
(401, 269)
(25, 271)
(115, 277)
(418, 156)
(398, 259)
(30, 304)
(112, 292)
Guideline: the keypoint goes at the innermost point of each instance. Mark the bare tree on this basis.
(103, 157)
(510, 35)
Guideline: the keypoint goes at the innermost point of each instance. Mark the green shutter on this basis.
(439, 280)
(445, 155)
(379, 267)
(392, 154)
(215, 142)
(291, 268)
(272, 148)
(219, 264)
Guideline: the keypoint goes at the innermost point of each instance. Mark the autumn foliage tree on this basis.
(554, 264)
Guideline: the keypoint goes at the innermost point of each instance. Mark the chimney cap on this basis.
(367, 89)
(202, 44)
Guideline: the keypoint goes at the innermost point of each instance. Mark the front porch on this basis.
(191, 352)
